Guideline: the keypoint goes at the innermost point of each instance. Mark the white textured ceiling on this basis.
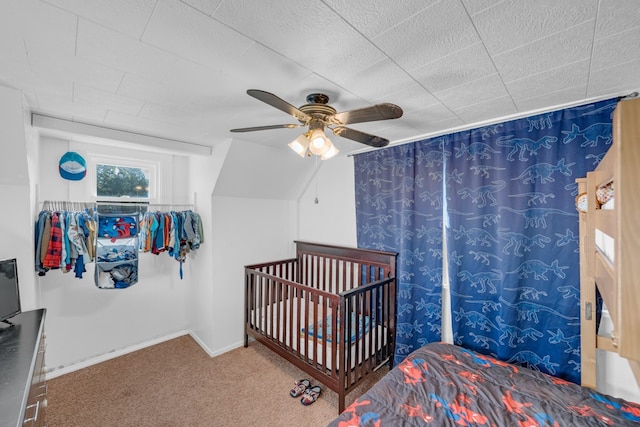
(180, 69)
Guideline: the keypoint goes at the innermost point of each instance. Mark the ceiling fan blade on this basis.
(251, 129)
(368, 114)
(356, 135)
(279, 103)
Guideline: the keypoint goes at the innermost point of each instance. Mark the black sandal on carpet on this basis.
(299, 388)
(311, 395)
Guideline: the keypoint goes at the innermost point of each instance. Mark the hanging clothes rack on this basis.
(64, 205)
(190, 234)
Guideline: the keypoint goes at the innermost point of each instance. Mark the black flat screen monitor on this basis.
(9, 290)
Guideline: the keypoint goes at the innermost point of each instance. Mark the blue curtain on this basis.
(511, 230)
(399, 199)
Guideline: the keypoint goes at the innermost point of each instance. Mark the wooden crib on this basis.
(330, 311)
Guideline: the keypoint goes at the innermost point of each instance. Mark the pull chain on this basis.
(316, 179)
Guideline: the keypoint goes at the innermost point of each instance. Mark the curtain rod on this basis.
(500, 120)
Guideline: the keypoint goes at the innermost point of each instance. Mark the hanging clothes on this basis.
(176, 232)
(64, 240)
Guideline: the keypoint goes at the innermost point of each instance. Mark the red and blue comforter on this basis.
(442, 384)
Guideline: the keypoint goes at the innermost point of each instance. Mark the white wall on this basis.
(204, 172)
(245, 231)
(333, 218)
(85, 322)
(16, 216)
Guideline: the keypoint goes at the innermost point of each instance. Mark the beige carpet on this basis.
(176, 383)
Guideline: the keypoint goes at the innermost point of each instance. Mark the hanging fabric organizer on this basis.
(70, 234)
(116, 251)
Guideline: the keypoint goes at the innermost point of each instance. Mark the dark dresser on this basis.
(23, 389)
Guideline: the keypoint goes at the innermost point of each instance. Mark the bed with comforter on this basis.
(442, 384)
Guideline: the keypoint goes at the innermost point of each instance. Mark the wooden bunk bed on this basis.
(443, 384)
(610, 243)
(291, 305)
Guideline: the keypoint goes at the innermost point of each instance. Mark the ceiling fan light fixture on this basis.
(319, 143)
(300, 145)
(332, 152)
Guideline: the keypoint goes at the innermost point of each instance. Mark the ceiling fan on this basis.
(317, 115)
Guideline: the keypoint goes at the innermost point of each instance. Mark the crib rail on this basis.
(338, 269)
(374, 302)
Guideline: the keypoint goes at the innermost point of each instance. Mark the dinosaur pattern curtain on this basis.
(505, 194)
(399, 201)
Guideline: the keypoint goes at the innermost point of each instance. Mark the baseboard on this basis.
(111, 355)
(121, 352)
(217, 352)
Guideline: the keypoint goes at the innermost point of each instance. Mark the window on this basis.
(122, 181)
(123, 178)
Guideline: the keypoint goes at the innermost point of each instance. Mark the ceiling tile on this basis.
(38, 24)
(51, 63)
(14, 63)
(616, 49)
(25, 79)
(126, 16)
(551, 99)
(372, 17)
(429, 35)
(550, 81)
(91, 96)
(204, 6)
(83, 111)
(339, 97)
(195, 79)
(261, 68)
(619, 79)
(497, 107)
(166, 114)
(410, 98)
(512, 23)
(108, 47)
(140, 88)
(571, 45)
(431, 129)
(428, 116)
(179, 29)
(468, 64)
(151, 127)
(476, 6)
(617, 16)
(327, 44)
(366, 83)
(296, 25)
(473, 93)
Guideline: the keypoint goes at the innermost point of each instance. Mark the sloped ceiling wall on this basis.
(257, 171)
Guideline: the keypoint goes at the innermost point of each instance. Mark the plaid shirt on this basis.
(53, 257)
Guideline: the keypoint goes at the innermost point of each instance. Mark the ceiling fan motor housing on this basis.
(317, 108)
